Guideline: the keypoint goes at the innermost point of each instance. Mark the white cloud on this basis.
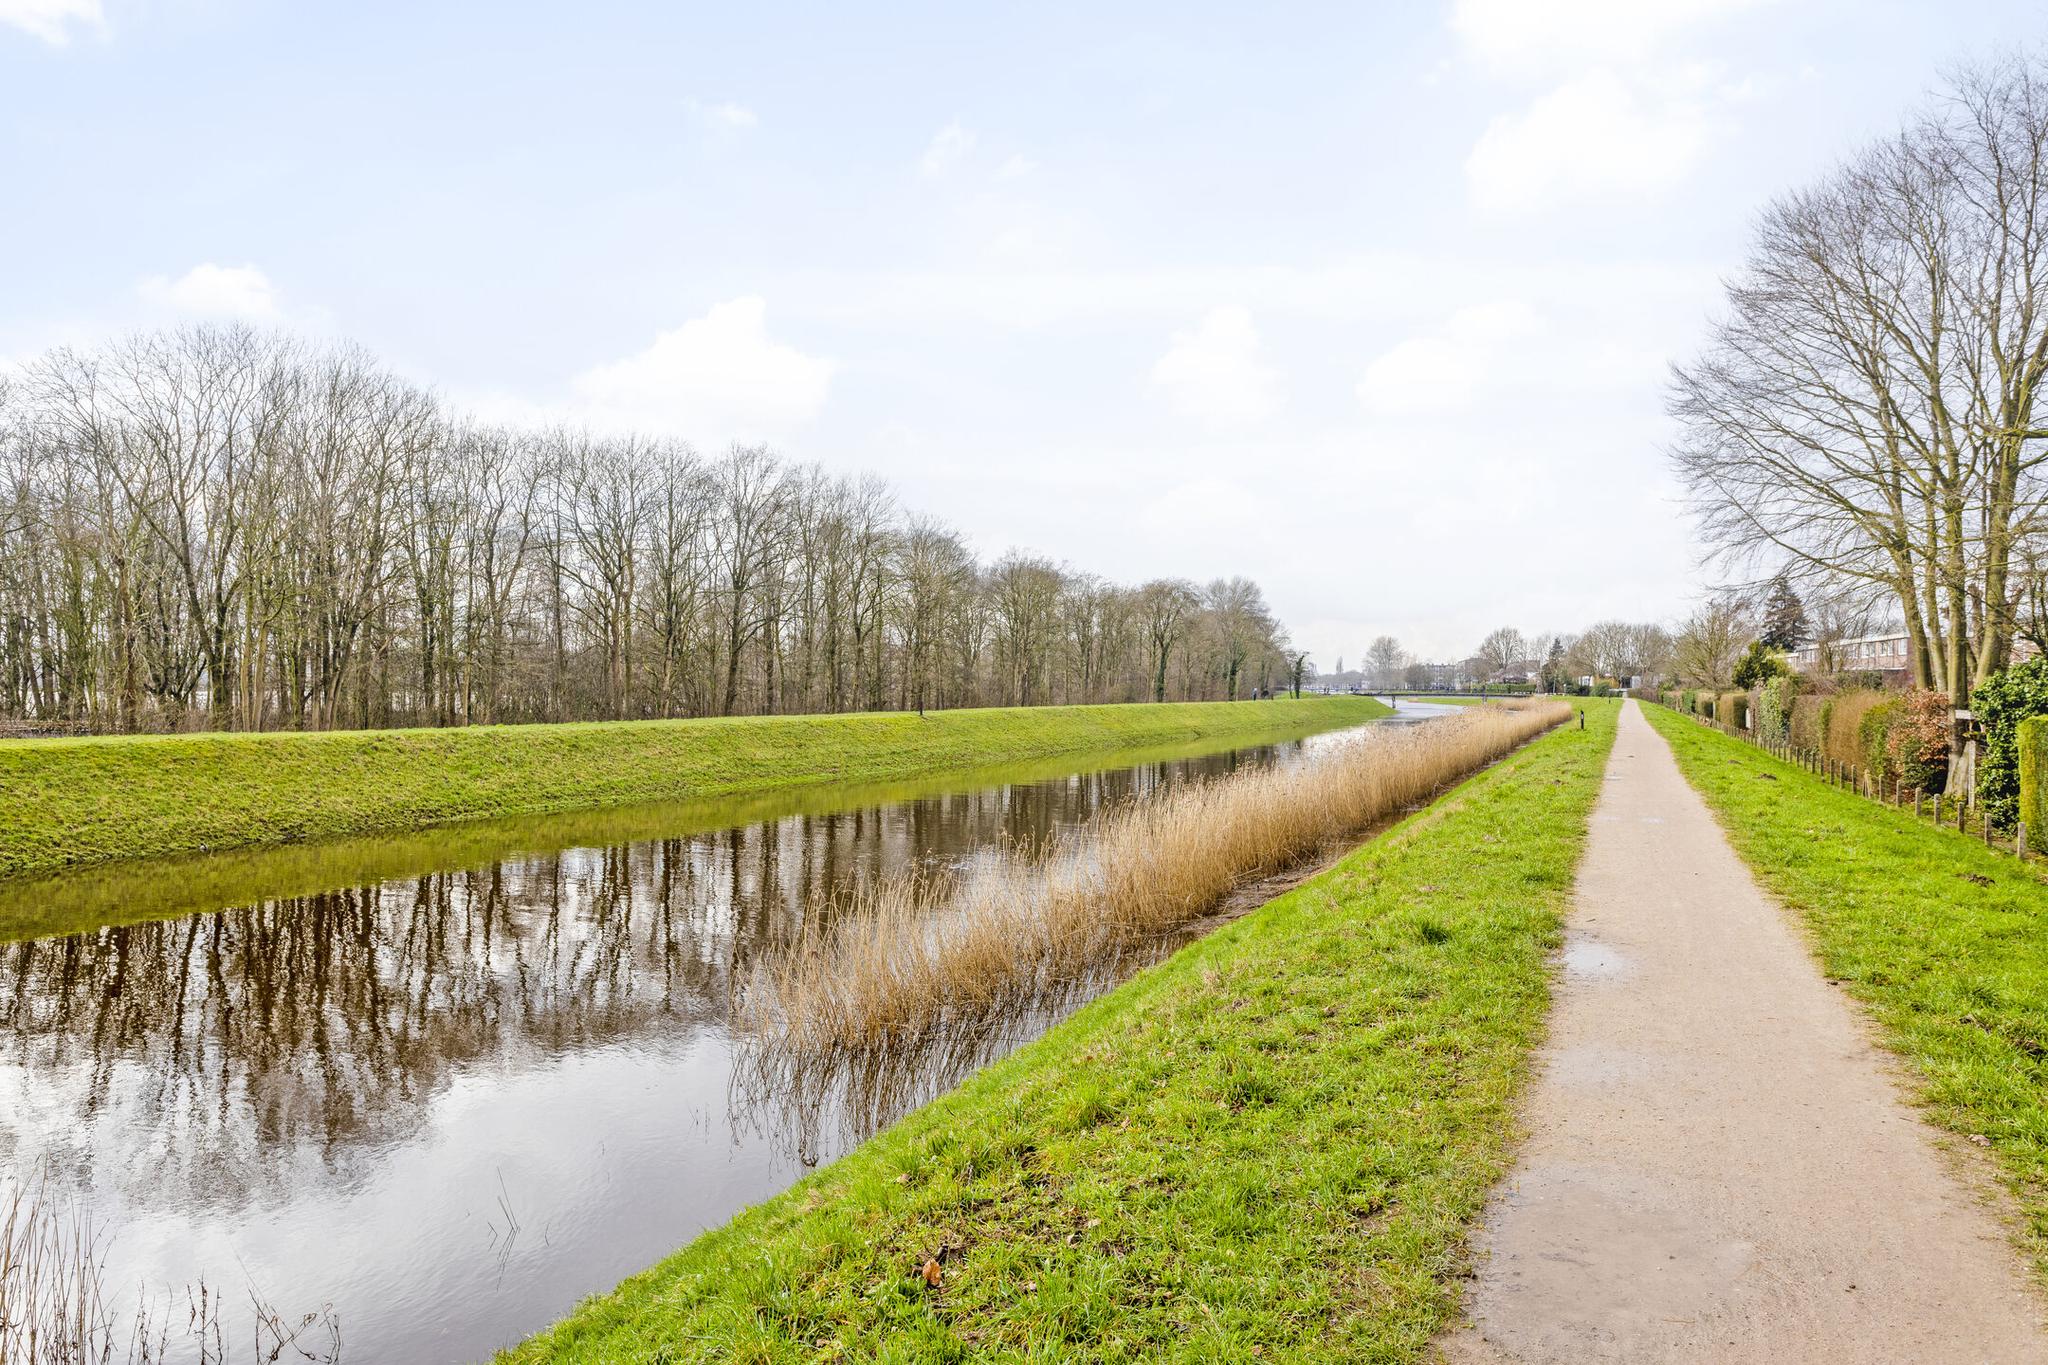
(715, 377)
(1215, 371)
(1544, 35)
(1592, 137)
(949, 146)
(727, 115)
(52, 20)
(1016, 168)
(1544, 360)
(1444, 370)
(1208, 505)
(215, 291)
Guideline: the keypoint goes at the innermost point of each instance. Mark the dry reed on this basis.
(912, 956)
(54, 1309)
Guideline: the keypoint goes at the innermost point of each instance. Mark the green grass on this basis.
(133, 890)
(1944, 941)
(1274, 1142)
(70, 802)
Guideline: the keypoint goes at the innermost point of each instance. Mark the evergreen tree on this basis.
(1758, 666)
(1785, 627)
(1553, 668)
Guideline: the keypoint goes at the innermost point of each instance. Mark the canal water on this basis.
(448, 1085)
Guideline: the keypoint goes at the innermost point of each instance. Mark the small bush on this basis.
(2001, 703)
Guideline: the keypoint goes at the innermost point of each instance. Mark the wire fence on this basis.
(1942, 810)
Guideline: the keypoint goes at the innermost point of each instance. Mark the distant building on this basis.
(1884, 655)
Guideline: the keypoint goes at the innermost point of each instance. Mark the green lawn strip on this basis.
(1944, 941)
(70, 802)
(131, 891)
(1276, 1140)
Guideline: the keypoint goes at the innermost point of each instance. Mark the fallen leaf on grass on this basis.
(933, 1273)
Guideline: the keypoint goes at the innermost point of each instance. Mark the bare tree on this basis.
(218, 527)
(1165, 607)
(1502, 653)
(1710, 642)
(1384, 660)
(1867, 413)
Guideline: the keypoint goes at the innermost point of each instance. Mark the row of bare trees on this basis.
(224, 528)
(1552, 660)
(1869, 410)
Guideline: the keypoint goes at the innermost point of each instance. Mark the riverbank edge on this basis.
(1277, 1139)
(68, 803)
(1941, 941)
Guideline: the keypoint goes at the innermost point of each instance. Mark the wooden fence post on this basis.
(1916, 803)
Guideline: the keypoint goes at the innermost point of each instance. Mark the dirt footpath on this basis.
(1719, 1168)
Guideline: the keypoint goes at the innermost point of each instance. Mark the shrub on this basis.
(1874, 740)
(1842, 725)
(1774, 708)
(1920, 739)
(2001, 703)
(1805, 728)
(1758, 665)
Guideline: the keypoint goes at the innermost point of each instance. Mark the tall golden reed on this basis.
(912, 956)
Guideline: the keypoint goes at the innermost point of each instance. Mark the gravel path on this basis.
(1719, 1166)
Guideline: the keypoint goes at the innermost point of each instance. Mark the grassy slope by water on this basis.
(1272, 1143)
(65, 803)
(1944, 941)
(137, 889)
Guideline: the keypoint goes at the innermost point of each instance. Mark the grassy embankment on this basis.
(137, 889)
(1944, 941)
(1272, 1143)
(71, 802)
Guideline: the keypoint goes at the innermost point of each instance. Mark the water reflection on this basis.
(451, 1103)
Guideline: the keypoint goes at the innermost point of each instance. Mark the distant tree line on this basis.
(1554, 661)
(216, 527)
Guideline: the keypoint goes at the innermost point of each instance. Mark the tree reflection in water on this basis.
(202, 1060)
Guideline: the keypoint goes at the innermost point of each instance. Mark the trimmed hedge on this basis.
(1874, 732)
(1842, 726)
(1807, 724)
(1774, 708)
(2003, 703)
(2033, 765)
(1732, 708)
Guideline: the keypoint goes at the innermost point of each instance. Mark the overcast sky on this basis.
(1370, 302)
